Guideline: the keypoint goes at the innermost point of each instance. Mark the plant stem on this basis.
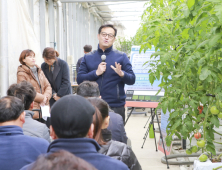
(217, 142)
(219, 156)
(217, 132)
(204, 124)
(217, 168)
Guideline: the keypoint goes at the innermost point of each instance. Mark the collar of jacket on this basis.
(29, 113)
(107, 51)
(74, 145)
(10, 130)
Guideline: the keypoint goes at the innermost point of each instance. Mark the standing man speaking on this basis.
(110, 68)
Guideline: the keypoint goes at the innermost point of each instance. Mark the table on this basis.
(143, 104)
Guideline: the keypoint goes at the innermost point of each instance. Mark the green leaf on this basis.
(176, 124)
(168, 140)
(190, 3)
(164, 106)
(215, 121)
(214, 39)
(204, 74)
(210, 149)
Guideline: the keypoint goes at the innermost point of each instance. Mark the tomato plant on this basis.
(201, 143)
(187, 36)
(197, 135)
(203, 158)
(188, 151)
(194, 149)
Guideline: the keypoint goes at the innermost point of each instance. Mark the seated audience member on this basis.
(61, 160)
(114, 149)
(116, 125)
(17, 149)
(72, 130)
(26, 92)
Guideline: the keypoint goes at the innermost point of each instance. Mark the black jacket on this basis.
(59, 79)
(116, 126)
(119, 151)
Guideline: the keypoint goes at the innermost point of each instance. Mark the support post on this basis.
(51, 23)
(42, 24)
(59, 28)
(64, 32)
(4, 47)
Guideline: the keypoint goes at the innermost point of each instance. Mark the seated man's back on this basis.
(116, 126)
(17, 149)
(87, 149)
(34, 128)
(26, 92)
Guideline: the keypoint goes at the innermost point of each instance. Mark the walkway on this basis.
(148, 157)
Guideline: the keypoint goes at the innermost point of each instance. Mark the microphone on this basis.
(103, 57)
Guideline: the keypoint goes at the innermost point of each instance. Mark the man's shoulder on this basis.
(118, 52)
(36, 141)
(90, 54)
(110, 162)
(115, 115)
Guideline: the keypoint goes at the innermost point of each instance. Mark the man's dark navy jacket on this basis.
(17, 149)
(116, 126)
(86, 149)
(111, 85)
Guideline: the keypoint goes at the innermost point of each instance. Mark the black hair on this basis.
(87, 48)
(101, 105)
(105, 26)
(24, 91)
(10, 108)
(88, 89)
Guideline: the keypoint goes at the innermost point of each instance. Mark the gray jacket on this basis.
(34, 128)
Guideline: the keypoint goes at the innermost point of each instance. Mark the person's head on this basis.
(106, 36)
(88, 89)
(98, 124)
(103, 108)
(61, 160)
(71, 117)
(24, 91)
(50, 55)
(11, 111)
(27, 57)
(87, 49)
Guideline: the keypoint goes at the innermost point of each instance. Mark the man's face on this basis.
(106, 37)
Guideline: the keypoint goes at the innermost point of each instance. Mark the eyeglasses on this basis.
(111, 36)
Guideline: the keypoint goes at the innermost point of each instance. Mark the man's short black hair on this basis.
(105, 26)
(87, 48)
(24, 91)
(10, 108)
(88, 89)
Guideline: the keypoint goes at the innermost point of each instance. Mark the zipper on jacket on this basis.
(117, 86)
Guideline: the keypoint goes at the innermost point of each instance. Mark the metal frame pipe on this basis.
(64, 32)
(75, 56)
(59, 28)
(70, 30)
(51, 23)
(42, 24)
(4, 47)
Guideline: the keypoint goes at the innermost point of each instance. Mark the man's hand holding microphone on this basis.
(102, 67)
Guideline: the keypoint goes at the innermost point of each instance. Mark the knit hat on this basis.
(71, 116)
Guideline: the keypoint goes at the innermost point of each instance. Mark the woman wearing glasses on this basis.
(29, 71)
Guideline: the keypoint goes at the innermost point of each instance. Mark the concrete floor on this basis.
(148, 157)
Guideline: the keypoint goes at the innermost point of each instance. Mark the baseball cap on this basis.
(71, 116)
